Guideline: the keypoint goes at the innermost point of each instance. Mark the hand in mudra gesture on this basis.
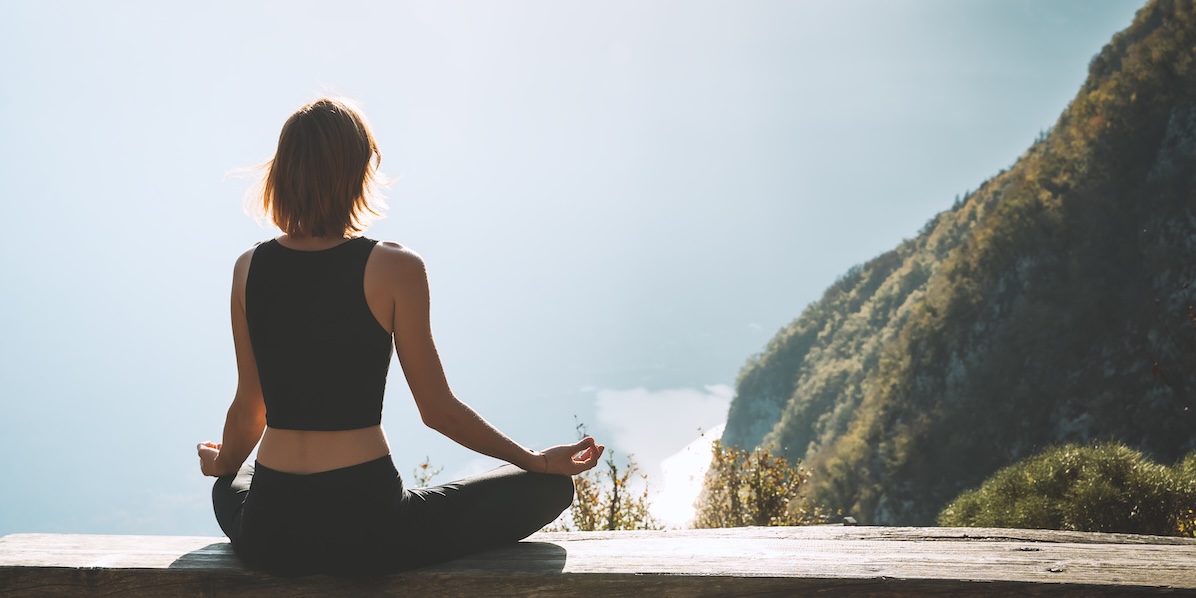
(572, 459)
(208, 451)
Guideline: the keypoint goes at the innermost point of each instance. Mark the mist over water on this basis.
(658, 429)
(681, 477)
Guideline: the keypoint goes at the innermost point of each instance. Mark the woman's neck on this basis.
(310, 243)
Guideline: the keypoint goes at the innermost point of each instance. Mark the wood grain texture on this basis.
(822, 560)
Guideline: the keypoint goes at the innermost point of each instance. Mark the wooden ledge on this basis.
(824, 560)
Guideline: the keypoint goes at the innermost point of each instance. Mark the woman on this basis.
(315, 313)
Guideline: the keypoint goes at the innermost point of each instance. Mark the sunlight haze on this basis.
(619, 203)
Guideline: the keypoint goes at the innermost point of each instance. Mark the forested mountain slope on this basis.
(1052, 305)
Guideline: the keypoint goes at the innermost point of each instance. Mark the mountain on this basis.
(1054, 304)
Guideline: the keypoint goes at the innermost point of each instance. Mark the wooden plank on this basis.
(745, 561)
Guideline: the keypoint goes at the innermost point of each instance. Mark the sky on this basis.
(619, 203)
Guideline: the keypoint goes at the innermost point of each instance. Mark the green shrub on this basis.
(606, 501)
(1103, 488)
(744, 488)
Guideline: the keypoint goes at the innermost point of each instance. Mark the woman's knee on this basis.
(228, 498)
(222, 488)
(226, 503)
(562, 491)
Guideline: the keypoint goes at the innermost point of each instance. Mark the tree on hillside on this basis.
(753, 488)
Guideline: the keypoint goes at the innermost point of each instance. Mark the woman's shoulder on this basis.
(241, 269)
(245, 258)
(398, 261)
(398, 255)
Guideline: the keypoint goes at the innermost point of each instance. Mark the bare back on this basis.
(311, 451)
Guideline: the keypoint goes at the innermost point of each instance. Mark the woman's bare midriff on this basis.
(311, 451)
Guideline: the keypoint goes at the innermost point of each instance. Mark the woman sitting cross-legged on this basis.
(315, 313)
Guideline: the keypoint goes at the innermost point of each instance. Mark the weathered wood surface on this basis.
(824, 560)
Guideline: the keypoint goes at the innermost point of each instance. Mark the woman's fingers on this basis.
(208, 452)
(572, 459)
(588, 458)
(581, 446)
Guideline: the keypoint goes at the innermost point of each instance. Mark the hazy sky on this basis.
(619, 203)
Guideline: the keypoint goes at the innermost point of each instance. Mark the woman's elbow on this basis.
(438, 412)
(435, 419)
(247, 411)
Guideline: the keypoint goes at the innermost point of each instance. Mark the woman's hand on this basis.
(572, 459)
(208, 452)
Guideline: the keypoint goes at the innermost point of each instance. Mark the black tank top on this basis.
(321, 355)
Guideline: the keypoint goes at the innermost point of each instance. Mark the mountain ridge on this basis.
(1051, 305)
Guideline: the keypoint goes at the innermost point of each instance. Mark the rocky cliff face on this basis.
(1052, 305)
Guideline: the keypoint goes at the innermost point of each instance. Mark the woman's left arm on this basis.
(404, 272)
(246, 419)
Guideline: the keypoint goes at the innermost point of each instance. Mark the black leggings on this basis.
(360, 520)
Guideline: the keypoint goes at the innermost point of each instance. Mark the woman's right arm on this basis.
(407, 281)
(246, 418)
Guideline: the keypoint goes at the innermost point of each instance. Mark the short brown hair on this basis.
(323, 179)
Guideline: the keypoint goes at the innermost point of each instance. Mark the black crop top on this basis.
(321, 355)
